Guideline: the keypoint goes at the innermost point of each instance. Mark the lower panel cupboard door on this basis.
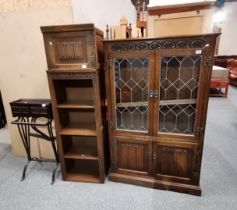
(131, 156)
(175, 164)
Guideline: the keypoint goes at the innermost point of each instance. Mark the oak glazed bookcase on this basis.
(157, 93)
(75, 55)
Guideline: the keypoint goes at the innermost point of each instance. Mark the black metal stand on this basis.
(24, 124)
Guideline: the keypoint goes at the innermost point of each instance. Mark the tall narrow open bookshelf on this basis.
(74, 56)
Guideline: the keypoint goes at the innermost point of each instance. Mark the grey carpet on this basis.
(218, 177)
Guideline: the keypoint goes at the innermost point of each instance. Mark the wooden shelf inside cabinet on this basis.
(79, 129)
(178, 102)
(82, 178)
(82, 152)
(132, 104)
(74, 155)
(80, 156)
(76, 105)
(162, 102)
(80, 147)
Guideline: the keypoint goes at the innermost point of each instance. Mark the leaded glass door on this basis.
(178, 83)
(131, 76)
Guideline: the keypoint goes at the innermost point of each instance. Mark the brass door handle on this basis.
(151, 93)
(149, 155)
(155, 156)
(156, 94)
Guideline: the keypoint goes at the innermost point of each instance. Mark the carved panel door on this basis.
(176, 163)
(132, 156)
(74, 50)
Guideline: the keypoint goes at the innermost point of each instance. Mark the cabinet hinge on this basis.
(196, 155)
(195, 173)
(109, 63)
(92, 60)
(199, 131)
(114, 143)
(111, 125)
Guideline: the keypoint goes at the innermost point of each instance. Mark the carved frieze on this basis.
(158, 44)
(72, 75)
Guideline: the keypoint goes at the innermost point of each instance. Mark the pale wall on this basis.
(23, 63)
(228, 40)
(187, 23)
(103, 12)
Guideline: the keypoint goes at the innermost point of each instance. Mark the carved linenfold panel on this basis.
(72, 76)
(158, 44)
(174, 162)
(131, 156)
(69, 51)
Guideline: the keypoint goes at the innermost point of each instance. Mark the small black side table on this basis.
(28, 113)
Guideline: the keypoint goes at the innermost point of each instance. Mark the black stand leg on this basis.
(24, 125)
(24, 131)
(52, 139)
(24, 171)
(54, 174)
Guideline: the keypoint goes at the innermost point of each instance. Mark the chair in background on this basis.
(232, 66)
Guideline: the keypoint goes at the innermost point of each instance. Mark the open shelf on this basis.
(76, 104)
(74, 93)
(82, 178)
(79, 129)
(77, 122)
(82, 170)
(80, 147)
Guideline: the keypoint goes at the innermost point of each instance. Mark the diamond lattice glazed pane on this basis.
(179, 82)
(131, 92)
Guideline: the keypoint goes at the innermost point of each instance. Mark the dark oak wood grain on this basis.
(75, 56)
(156, 134)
